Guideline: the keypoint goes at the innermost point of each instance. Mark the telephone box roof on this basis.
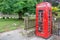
(44, 4)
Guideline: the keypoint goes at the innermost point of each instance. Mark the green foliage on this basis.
(59, 6)
(38, 1)
(10, 6)
(54, 9)
(55, 4)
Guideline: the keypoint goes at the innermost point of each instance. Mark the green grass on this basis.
(10, 24)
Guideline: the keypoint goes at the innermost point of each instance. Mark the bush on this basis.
(54, 9)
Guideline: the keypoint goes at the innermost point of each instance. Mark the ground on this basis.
(16, 35)
(12, 35)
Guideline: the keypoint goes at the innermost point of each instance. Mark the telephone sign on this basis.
(43, 20)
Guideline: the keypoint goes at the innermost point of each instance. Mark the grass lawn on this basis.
(10, 24)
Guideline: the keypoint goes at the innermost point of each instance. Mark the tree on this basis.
(18, 6)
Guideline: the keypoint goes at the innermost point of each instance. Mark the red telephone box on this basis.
(43, 19)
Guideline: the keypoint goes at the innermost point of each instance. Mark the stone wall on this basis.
(7, 15)
(29, 23)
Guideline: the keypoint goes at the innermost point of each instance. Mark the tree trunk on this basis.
(20, 15)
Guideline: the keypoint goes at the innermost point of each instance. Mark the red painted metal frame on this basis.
(45, 6)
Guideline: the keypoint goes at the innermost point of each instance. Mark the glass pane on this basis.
(40, 20)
